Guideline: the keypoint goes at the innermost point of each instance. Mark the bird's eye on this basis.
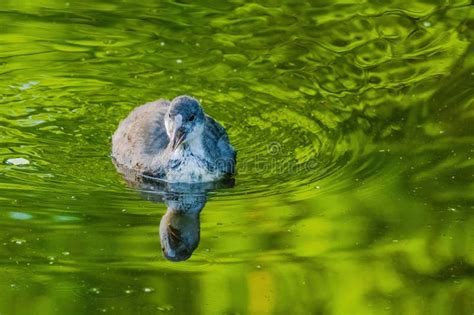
(191, 118)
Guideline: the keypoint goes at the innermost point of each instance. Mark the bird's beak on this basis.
(178, 138)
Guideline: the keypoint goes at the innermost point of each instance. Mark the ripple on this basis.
(307, 97)
(353, 127)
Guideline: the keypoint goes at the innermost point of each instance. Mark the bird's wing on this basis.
(141, 137)
(225, 153)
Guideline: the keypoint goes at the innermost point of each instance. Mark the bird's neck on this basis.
(193, 147)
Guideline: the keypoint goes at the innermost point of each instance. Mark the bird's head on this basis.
(184, 121)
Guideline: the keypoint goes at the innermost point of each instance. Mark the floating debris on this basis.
(17, 161)
(18, 241)
(25, 86)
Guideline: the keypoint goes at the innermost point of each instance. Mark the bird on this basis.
(174, 141)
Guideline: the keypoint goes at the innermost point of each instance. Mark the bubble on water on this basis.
(426, 23)
(179, 61)
(95, 290)
(128, 291)
(17, 161)
(66, 253)
(148, 290)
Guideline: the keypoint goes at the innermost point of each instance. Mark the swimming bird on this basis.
(175, 141)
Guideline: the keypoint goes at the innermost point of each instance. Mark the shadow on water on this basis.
(180, 225)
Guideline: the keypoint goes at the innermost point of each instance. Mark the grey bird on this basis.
(175, 141)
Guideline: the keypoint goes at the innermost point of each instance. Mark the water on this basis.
(354, 128)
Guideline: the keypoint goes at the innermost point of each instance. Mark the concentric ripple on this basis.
(307, 98)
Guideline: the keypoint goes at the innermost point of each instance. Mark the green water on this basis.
(354, 126)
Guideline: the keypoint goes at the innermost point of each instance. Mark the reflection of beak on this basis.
(175, 236)
(179, 234)
(177, 138)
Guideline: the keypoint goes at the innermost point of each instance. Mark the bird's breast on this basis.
(186, 167)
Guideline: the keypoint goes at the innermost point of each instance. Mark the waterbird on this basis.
(175, 141)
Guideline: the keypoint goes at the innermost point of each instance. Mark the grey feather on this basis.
(142, 142)
(141, 138)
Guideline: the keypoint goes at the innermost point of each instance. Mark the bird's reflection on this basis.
(180, 225)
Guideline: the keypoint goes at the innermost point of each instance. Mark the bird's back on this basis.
(140, 140)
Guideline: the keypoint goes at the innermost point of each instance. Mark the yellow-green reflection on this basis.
(353, 125)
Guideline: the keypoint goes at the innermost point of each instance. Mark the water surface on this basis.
(353, 123)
